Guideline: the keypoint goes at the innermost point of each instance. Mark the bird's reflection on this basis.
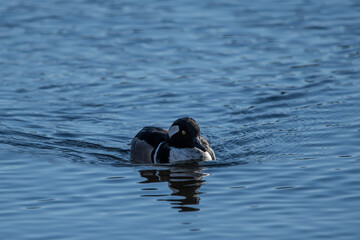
(184, 181)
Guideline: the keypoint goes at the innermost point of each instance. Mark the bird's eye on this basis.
(183, 132)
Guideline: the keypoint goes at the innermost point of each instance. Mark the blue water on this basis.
(274, 85)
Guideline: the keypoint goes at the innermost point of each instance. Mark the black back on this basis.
(153, 135)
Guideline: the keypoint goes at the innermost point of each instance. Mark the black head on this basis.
(185, 133)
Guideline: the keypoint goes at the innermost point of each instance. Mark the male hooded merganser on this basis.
(181, 143)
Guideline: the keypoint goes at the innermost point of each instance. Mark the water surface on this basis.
(274, 86)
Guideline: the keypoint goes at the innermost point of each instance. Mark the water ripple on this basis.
(274, 86)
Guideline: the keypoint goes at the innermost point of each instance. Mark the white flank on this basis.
(187, 154)
(207, 157)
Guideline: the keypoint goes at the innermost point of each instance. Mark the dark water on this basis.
(274, 85)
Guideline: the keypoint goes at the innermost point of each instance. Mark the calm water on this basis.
(274, 85)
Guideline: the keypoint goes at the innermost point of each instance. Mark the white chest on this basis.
(186, 154)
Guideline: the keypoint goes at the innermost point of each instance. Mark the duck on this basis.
(180, 143)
